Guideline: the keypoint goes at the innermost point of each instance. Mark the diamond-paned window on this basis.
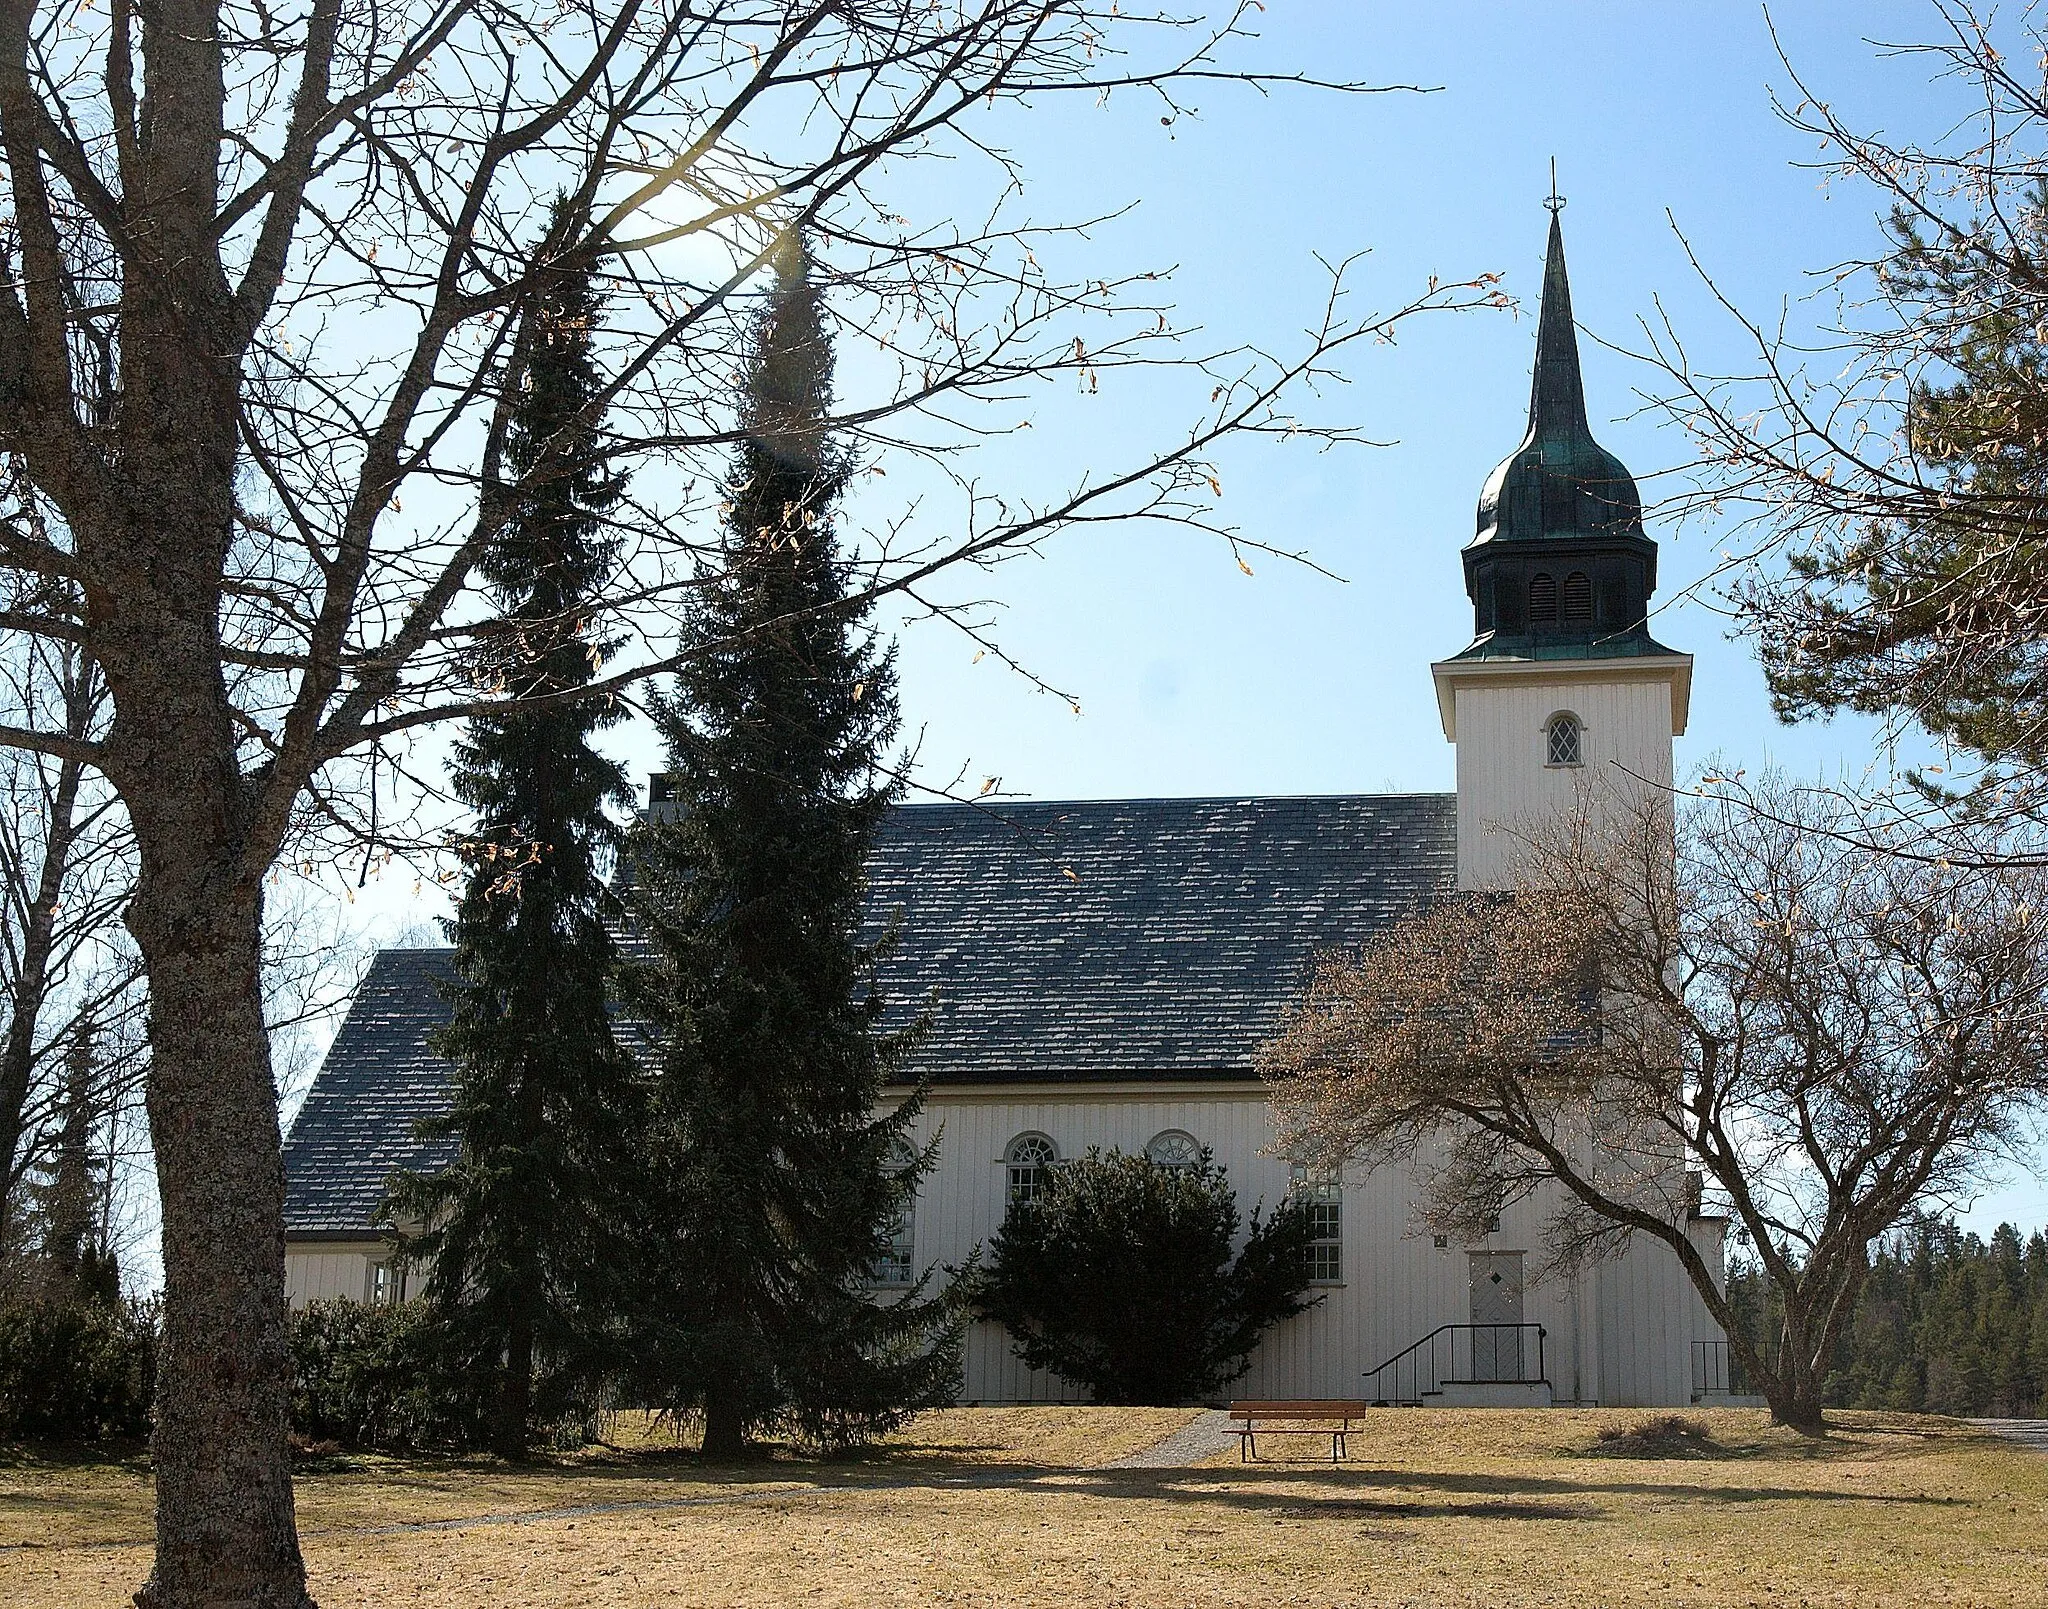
(1562, 746)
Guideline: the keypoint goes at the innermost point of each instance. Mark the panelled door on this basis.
(1496, 1315)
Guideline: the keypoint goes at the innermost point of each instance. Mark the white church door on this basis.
(1497, 1315)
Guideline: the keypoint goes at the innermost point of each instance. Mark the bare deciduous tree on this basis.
(1888, 472)
(1830, 1035)
(266, 271)
(66, 968)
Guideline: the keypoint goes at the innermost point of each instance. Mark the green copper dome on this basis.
(1559, 481)
(1561, 567)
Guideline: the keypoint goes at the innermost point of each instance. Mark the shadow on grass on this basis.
(1216, 1483)
(655, 1480)
(1322, 1492)
(129, 1456)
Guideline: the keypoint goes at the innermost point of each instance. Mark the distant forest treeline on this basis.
(1947, 1323)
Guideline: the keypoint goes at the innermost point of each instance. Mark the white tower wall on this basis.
(1499, 716)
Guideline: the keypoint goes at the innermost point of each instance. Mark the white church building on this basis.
(1105, 972)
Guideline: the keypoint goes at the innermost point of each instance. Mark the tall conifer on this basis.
(522, 1230)
(779, 1181)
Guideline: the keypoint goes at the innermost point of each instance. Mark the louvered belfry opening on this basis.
(1542, 599)
(1578, 599)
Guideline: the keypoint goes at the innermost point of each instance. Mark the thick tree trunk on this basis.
(725, 1430)
(226, 1537)
(1793, 1390)
(1796, 1406)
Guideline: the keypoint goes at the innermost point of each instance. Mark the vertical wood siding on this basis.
(1624, 1328)
(1621, 1335)
(325, 1271)
(1503, 782)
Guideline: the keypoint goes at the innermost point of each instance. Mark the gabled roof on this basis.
(355, 1127)
(1104, 940)
(1184, 930)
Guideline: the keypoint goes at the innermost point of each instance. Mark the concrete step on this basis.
(1490, 1394)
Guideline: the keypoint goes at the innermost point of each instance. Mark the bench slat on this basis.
(1334, 1409)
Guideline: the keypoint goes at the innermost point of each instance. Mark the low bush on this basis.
(1119, 1277)
(1668, 1435)
(379, 1378)
(76, 1371)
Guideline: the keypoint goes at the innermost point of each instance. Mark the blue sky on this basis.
(1196, 679)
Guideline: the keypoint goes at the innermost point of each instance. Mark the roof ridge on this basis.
(1177, 798)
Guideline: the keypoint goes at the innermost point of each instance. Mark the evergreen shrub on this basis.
(1119, 1277)
(76, 1371)
(380, 1378)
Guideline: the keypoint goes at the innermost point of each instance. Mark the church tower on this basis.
(1563, 694)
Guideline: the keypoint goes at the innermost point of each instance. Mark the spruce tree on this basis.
(522, 1231)
(79, 1264)
(776, 1188)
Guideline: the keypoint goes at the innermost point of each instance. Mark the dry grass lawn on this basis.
(1012, 1507)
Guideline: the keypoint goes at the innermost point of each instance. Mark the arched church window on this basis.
(1562, 743)
(893, 1266)
(1578, 599)
(1174, 1148)
(1031, 1159)
(1542, 598)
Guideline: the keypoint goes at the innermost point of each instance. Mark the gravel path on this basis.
(1202, 1437)
(2027, 1432)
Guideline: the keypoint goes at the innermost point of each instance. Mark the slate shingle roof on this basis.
(1114, 939)
(355, 1126)
(1185, 927)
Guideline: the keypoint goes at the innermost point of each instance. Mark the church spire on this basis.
(1561, 566)
(1557, 393)
(1559, 482)
(1562, 697)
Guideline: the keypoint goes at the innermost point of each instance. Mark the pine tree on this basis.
(1947, 1323)
(523, 1230)
(776, 1184)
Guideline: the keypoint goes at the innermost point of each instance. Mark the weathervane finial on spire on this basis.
(1553, 202)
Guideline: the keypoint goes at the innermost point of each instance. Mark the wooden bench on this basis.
(1332, 1418)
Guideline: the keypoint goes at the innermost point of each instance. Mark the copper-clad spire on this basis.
(1561, 566)
(1557, 393)
(1559, 481)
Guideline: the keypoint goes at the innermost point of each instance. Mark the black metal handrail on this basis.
(1715, 1370)
(1459, 1354)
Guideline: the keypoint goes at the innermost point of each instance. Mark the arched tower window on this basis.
(1031, 1159)
(1542, 598)
(1174, 1148)
(1562, 745)
(1578, 599)
(893, 1266)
